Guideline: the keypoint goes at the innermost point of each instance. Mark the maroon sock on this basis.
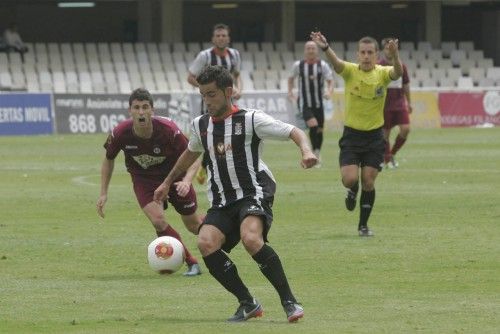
(397, 144)
(387, 154)
(169, 231)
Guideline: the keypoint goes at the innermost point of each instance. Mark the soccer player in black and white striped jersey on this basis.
(240, 189)
(220, 54)
(312, 73)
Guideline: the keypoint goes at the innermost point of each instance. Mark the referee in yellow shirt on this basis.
(362, 143)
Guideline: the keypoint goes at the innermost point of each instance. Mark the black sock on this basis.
(365, 207)
(355, 188)
(313, 135)
(319, 138)
(224, 271)
(270, 265)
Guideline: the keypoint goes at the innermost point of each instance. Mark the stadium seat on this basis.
(444, 63)
(418, 55)
(298, 46)
(281, 46)
(465, 82)
(5, 81)
(71, 82)
(457, 56)
(447, 47)
(438, 73)
(59, 82)
(45, 81)
(466, 45)
(352, 46)
(484, 63)
(429, 83)
(453, 74)
(406, 45)
(194, 47)
(427, 63)
(486, 82)
(422, 73)
(446, 83)
(179, 47)
(466, 65)
(18, 80)
(240, 46)
(493, 73)
(85, 83)
(424, 46)
(404, 55)
(475, 55)
(434, 54)
(253, 47)
(477, 74)
(267, 46)
(260, 60)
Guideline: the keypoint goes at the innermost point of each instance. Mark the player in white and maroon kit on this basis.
(152, 146)
(397, 110)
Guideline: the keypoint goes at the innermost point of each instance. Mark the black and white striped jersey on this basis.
(311, 78)
(234, 145)
(230, 60)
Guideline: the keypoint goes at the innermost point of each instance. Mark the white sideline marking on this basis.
(82, 180)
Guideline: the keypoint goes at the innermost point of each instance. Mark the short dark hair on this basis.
(369, 40)
(140, 94)
(217, 73)
(221, 26)
(386, 40)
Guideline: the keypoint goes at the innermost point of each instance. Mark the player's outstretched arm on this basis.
(106, 173)
(397, 70)
(300, 139)
(185, 161)
(321, 41)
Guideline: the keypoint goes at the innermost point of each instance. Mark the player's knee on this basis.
(252, 241)
(206, 244)
(404, 132)
(349, 181)
(368, 185)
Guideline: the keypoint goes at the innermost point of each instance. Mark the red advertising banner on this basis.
(469, 109)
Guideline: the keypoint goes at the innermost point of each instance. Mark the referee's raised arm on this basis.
(320, 40)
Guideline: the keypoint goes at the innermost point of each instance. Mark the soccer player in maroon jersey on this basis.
(152, 146)
(397, 109)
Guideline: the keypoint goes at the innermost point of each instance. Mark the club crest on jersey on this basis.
(238, 129)
(220, 148)
(156, 150)
(146, 161)
(379, 91)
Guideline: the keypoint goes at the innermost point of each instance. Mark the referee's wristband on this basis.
(326, 47)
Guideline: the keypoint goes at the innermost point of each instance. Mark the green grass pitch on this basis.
(432, 267)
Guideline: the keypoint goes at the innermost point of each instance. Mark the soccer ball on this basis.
(165, 255)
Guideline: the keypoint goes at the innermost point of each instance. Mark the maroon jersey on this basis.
(154, 156)
(395, 99)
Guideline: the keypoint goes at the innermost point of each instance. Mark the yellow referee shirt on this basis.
(365, 96)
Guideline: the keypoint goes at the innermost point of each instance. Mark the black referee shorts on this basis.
(362, 148)
(228, 219)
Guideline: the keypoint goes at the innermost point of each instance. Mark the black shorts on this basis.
(228, 219)
(318, 113)
(362, 148)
